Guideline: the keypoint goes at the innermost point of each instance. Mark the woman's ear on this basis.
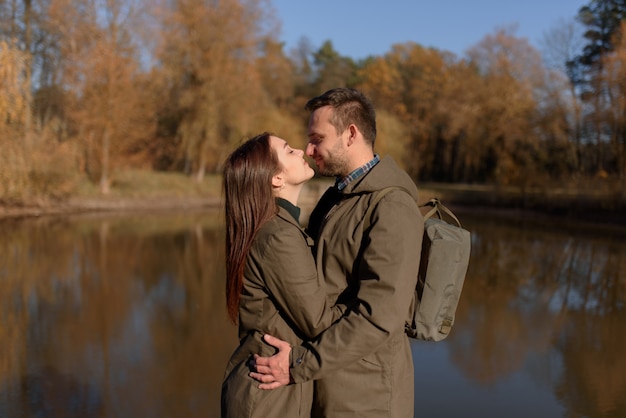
(278, 180)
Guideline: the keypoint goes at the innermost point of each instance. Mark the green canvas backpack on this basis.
(443, 265)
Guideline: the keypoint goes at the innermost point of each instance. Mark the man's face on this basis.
(327, 147)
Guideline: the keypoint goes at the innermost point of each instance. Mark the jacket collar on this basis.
(384, 174)
(289, 207)
(288, 217)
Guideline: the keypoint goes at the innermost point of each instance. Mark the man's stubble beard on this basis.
(336, 165)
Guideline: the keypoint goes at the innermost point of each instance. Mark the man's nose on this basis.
(309, 150)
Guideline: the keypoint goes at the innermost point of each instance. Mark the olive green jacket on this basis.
(363, 361)
(282, 296)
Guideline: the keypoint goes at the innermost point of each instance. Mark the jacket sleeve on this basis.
(289, 272)
(387, 275)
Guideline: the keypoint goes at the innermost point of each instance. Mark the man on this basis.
(362, 364)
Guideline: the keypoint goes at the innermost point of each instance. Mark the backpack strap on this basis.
(438, 208)
(379, 195)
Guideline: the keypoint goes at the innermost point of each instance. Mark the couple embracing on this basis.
(321, 311)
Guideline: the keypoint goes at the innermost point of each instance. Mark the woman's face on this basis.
(295, 169)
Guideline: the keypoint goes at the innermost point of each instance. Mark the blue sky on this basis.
(358, 28)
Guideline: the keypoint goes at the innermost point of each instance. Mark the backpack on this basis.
(443, 265)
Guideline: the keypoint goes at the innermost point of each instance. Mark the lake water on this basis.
(123, 315)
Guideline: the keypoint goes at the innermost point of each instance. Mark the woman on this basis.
(271, 280)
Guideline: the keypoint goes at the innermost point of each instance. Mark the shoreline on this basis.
(109, 204)
(465, 200)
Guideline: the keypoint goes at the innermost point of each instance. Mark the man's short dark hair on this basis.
(350, 106)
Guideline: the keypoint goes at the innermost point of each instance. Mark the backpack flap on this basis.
(443, 265)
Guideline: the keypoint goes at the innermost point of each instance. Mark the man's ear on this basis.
(352, 133)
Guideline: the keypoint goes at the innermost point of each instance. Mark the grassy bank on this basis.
(130, 190)
(595, 202)
(148, 190)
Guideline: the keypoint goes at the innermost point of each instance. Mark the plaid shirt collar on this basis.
(359, 172)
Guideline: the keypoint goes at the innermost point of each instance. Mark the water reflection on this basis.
(113, 317)
(547, 301)
(124, 316)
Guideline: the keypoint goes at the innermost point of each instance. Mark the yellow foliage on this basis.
(29, 173)
(393, 139)
(13, 86)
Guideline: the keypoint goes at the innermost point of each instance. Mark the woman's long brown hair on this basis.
(249, 203)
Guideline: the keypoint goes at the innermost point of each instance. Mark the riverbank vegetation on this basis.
(95, 93)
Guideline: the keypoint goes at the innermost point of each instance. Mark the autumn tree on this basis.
(24, 44)
(601, 19)
(382, 82)
(331, 69)
(106, 99)
(279, 82)
(275, 71)
(512, 72)
(304, 75)
(461, 102)
(17, 21)
(615, 80)
(207, 52)
(407, 82)
(561, 44)
(37, 36)
(14, 104)
(14, 108)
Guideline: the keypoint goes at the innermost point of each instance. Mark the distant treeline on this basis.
(91, 87)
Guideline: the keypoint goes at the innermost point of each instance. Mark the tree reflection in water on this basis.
(547, 300)
(124, 315)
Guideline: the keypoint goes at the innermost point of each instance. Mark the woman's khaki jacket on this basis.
(282, 296)
(363, 361)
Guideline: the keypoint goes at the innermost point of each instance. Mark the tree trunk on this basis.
(105, 183)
